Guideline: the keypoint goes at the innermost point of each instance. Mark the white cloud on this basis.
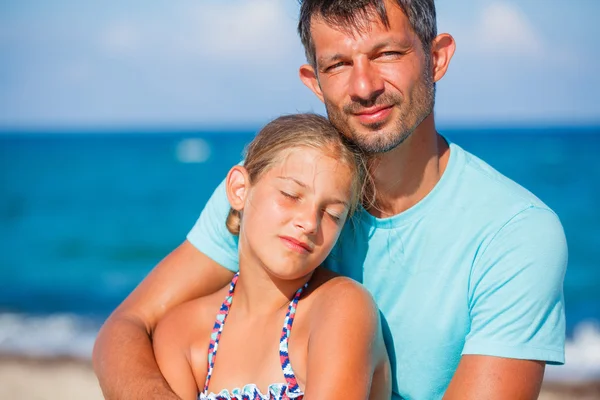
(259, 29)
(78, 72)
(502, 28)
(257, 32)
(121, 38)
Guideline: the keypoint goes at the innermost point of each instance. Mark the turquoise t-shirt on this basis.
(476, 267)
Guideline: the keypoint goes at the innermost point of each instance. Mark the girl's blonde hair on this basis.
(294, 131)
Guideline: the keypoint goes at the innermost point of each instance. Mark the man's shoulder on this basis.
(482, 190)
(499, 210)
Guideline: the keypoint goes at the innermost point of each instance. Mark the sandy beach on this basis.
(33, 379)
(69, 379)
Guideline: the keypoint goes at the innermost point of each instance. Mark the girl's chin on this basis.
(287, 274)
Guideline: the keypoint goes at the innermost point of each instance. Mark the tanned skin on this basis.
(381, 61)
(123, 358)
(392, 63)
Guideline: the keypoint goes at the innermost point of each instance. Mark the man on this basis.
(465, 265)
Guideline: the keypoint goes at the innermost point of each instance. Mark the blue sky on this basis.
(184, 63)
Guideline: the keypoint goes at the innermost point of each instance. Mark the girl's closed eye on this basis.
(290, 196)
(334, 215)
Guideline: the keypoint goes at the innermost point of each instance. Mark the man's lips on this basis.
(373, 114)
(296, 245)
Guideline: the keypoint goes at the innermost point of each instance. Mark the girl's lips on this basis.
(377, 115)
(296, 245)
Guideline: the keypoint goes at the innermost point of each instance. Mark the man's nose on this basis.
(366, 83)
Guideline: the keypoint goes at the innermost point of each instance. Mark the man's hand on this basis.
(490, 378)
(123, 357)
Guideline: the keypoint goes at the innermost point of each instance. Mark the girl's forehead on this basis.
(305, 158)
(307, 165)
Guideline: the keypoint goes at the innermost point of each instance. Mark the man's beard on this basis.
(375, 138)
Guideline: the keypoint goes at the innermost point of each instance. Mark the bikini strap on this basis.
(286, 366)
(217, 329)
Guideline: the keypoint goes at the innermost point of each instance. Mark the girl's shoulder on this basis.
(328, 286)
(193, 319)
(342, 333)
(332, 296)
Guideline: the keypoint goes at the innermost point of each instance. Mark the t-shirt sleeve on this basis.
(210, 234)
(516, 300)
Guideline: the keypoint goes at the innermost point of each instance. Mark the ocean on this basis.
(85, 216)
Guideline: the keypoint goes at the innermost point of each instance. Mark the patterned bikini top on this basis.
(277, 391)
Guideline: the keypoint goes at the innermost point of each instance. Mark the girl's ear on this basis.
(237, 184)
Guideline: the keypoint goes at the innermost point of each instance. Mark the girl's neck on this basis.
(259, 294)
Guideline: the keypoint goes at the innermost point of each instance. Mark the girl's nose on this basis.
(307, 220)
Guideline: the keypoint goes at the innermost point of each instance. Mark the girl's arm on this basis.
(171, 342)
(347, 358)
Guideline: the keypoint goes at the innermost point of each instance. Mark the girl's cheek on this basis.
(284, 203)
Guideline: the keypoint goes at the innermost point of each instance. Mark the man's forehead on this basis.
(362, 20)
(357, 25)
(329, 35)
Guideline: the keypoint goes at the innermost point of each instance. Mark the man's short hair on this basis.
(354, 16)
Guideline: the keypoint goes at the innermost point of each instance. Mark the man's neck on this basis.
(404, 176)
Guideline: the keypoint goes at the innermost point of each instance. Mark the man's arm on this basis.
(175, 347)
(516, 309)
(123, 357)
(485, 377)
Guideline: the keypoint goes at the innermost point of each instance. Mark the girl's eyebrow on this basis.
(302, 184)
(338, 201)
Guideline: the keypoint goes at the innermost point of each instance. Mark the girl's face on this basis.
(293, 215)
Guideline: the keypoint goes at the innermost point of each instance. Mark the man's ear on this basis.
(442, 50)
(237, 184)
(308, 76)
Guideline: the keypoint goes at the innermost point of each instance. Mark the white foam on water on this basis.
(582, 356)
(47, 336)
(73, 336)
(193, 151)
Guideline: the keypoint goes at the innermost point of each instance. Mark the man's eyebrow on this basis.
(330, 59)
(389, 43)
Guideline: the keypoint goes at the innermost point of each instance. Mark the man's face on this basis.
(377, 85)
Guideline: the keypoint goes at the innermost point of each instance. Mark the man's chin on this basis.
(376, 139)
(376, 129)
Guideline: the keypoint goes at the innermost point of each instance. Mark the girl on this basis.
(293, 330)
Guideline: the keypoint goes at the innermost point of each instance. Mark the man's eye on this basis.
(334, 66)
(390, 54)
